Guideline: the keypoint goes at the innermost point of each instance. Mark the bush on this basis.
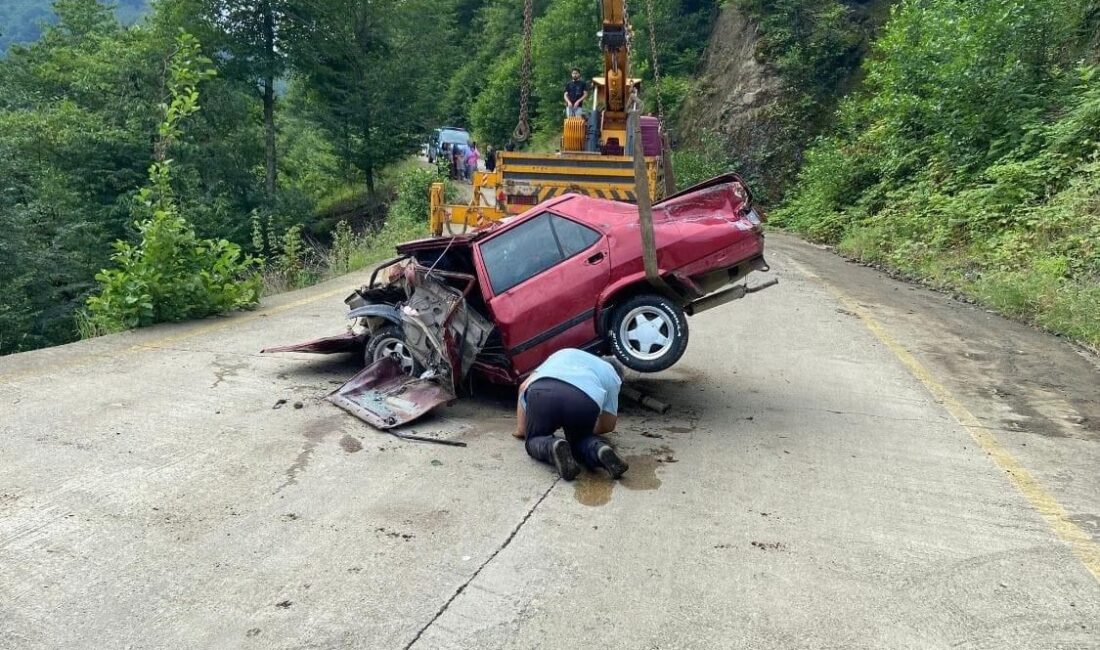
(694, 165)
(971, 159)
(171, 274)
(407, 218)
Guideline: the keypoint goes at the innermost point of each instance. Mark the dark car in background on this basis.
(446, 135)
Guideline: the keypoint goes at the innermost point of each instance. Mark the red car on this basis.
(567, 273)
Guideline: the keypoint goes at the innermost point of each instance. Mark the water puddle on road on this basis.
(595, 488)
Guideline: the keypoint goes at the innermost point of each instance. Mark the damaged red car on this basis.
(568, 273)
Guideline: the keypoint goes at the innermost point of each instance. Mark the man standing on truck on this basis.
(576, 91)
(579, 393)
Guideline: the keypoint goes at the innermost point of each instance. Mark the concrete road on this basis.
(849, 462)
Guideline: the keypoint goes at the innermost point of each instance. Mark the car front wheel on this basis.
(648, 333)
(389, 341)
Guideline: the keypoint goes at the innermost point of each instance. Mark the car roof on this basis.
(590, 209)
(586, 209)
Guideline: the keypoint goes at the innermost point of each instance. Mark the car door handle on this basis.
(595, 259)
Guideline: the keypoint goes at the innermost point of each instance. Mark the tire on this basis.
(390, 341)
(648, 333)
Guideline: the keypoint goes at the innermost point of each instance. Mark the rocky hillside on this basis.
(770, 79)
(736, 94)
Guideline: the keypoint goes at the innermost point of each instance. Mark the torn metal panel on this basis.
(383, 396)
(346, 342)
(441, 331)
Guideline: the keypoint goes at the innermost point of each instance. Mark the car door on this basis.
(542, 279)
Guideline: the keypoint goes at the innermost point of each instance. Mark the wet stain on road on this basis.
(594, 488)
(226, 369)
(350, 444)
(315, 432)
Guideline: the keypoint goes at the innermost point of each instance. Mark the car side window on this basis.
(572, 236)
(520, 253)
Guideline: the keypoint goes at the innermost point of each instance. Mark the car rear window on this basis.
(532, 247)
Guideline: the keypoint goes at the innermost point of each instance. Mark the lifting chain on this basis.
(653, 58)
(523, 128)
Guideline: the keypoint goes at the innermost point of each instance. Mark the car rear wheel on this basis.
(389, 341)
(648, 333)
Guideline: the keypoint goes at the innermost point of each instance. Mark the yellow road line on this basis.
(1056, 516)
(162, 341)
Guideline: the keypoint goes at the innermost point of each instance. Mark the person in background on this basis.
(576, 91)
(445, 155)
(459, 161)
(473, 156)
(490, 158)
(577, 392)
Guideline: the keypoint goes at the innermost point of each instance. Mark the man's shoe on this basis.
(567, 466)
(614, 465)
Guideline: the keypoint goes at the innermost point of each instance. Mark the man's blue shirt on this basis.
(591, 374)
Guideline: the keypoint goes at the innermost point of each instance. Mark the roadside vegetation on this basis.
(296, 162)
(970, 158)
(956, 143)
(293, 259)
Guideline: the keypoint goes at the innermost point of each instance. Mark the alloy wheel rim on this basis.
(395, 349)
(647, 333)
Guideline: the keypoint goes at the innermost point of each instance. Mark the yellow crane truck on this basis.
(595, 157)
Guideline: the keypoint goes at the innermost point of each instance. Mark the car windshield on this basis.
(452, 137)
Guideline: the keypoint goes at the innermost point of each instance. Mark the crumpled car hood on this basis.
(441, 332)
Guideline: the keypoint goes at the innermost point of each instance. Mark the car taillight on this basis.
(522, 199)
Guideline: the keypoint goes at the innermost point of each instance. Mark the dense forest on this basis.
(969, 157)
(273, 133)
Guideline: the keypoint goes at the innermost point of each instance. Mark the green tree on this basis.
(75, 124)
(171, 274)
(376, 72)
(252, 38)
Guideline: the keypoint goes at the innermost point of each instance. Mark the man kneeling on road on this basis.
(579, 393)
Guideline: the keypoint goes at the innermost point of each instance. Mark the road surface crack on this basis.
(492, 556)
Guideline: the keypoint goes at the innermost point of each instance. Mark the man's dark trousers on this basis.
(553, 405)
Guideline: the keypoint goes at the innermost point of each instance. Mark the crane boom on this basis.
(594, 157)
(615, 86)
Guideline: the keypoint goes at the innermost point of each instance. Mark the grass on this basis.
(304, 260)
(1039, 294)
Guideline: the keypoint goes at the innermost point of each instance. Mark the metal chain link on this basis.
(628, 31)
(653, 58)
(523, 128)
